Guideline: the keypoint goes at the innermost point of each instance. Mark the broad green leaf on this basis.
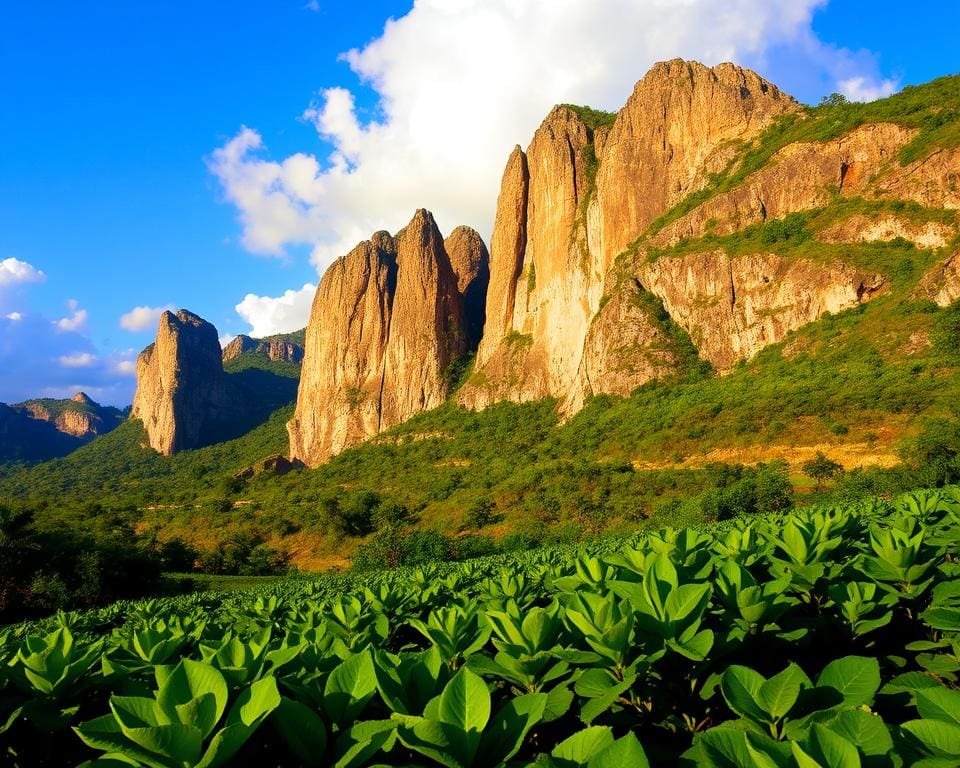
(625, 751)
(939, 738)
(778, 694)
(183, 743)
(741, 689)
(686, 601)
(248, 712)
(350, 686)
(864, 729)
(579, 748)
(302, 731)
(104, 733)
(857, 678)
(726, 747)
(830, 749)
(356, 745)
(465, 705)
(431, 739)
(189, 680)
(939, 704)
(504, 736)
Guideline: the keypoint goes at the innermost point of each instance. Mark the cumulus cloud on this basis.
(861, 88)
(125, 368)
(277, 314)
(141, 319)
(14, 271)
(78, 360)
(458, 84)
(76, 320)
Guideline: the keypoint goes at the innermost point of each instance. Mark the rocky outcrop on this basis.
(799, 177)
(78, 417)
(932, 181)
(683, 122)
(271, 348)
(942, 283)
(182, 396)
(577, 197)
(630, 342)
(734, 307)
(884, 228)
(545, 280)
(386, 326)
(272, 465)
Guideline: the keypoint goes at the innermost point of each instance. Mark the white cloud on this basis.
(76, 320)
(281, 314)
(862, 88)
(13, 271)
(125, 367)
(142, 318)
(78, 360)
(458, 84)
(226, 338)
(14, 316)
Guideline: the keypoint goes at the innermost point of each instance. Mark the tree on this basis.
(821, 469)
(482, 513)
(834, 100)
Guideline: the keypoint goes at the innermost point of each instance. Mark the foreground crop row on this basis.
(826, 637)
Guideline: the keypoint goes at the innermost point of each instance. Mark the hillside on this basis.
(44, 428)
(785, 286)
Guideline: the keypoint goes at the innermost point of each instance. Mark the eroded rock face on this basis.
(680, 124)
(272, 349)
(182, 396)
(544, 287)
(884, 228)
(942, 283)
(557, 230)
(386, 325)
(799, 177)
(629, 343)
(734, 307)
(79, 417)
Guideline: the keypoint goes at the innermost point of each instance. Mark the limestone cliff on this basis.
(387, 323)
(182, 395)
(272, 348)
(577, 197)
(733, 307)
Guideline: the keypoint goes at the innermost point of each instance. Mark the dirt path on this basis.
(849, 455)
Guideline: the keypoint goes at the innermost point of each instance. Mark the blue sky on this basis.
(127, 179)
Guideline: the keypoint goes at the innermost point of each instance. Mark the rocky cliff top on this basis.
(272, 348)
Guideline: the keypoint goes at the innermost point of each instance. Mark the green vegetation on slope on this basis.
(592, 118)
(876, 377)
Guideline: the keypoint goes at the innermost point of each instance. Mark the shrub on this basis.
(482, 513)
